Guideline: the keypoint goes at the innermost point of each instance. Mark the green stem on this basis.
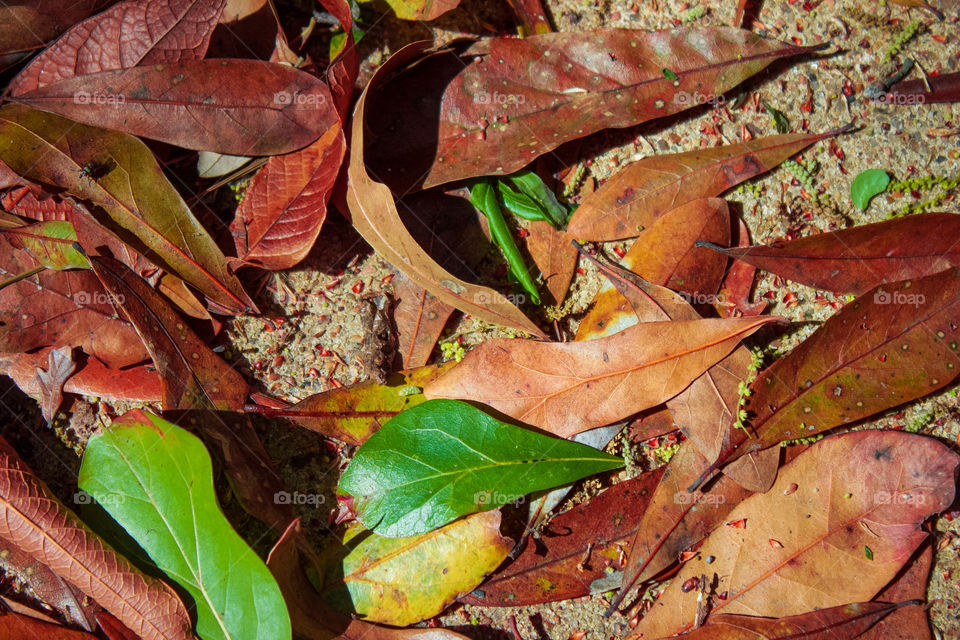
(22, 276)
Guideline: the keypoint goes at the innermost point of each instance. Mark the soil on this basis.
(316, 307)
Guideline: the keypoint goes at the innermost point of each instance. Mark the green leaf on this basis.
(520, 204)
(444, 458)
(49, 243)
(779, 119)
(866, 185)
(669, 75)
(156, 480)
(530, 184)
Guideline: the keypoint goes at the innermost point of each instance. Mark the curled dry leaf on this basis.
(60, 366)
(400, 581)
(233, 106)
(665, 255)
(858, 502)
(128, 34)
(39, 524)
(282, 210)
(581, 83)
(133, 192)
(374, 214)
(570, 387)
(857, 259)
(578, 549)
(633, 198)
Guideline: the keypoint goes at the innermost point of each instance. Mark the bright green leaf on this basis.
(530, 184)
(156, 480)
(520, 204)
(866, 185)
(444, 458)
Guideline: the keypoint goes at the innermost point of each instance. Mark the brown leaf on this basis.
(26, 27)
(676, 519)
(857, 259)
(633, 198)
(853, 502)
(576, 549)
(374, 214)
(128, 34)
(737, 287)
(342, 72)
(557, 87)
(836, 623)
(570, 387)
(36, 522)
(944, 88)
(239, 107)
(61, 308)
(891, 345)
(665, 255)
(908, 622)
(14, 626)
(192, 376)
(282, 210)
(554, 255)
(92, 378)
(420, 318)
(60, 366)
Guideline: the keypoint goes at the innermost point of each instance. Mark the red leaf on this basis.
(239, 107)
(130, 33)
(859, 258)
(27, 26)
(282, 210)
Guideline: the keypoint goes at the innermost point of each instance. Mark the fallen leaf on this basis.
(353, 414)
(857, 259)
(943, 88)
(374, 214)
(556, 87)
(92, 378)
(156, 480)
(134, 193)
(835, 623)
(60, 366)
(922, 4)
(420, 318)
(665, 254)
(285, 204)
(49, 243)
(891, 345)
(737, 287)
(565, 388)
(633, 198)
(448, 459)
(14, 626)
(864, 489)
(420, 9)
(61, 308)
(908, 622)
(577, 549)
(532, 16)
(39, 524)
(343, 70)
(26, 27)
(675, 519)
(128, 34)
(192, 376)
(400, 581)
(866, 185)
(554, 255)
(233, 106)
